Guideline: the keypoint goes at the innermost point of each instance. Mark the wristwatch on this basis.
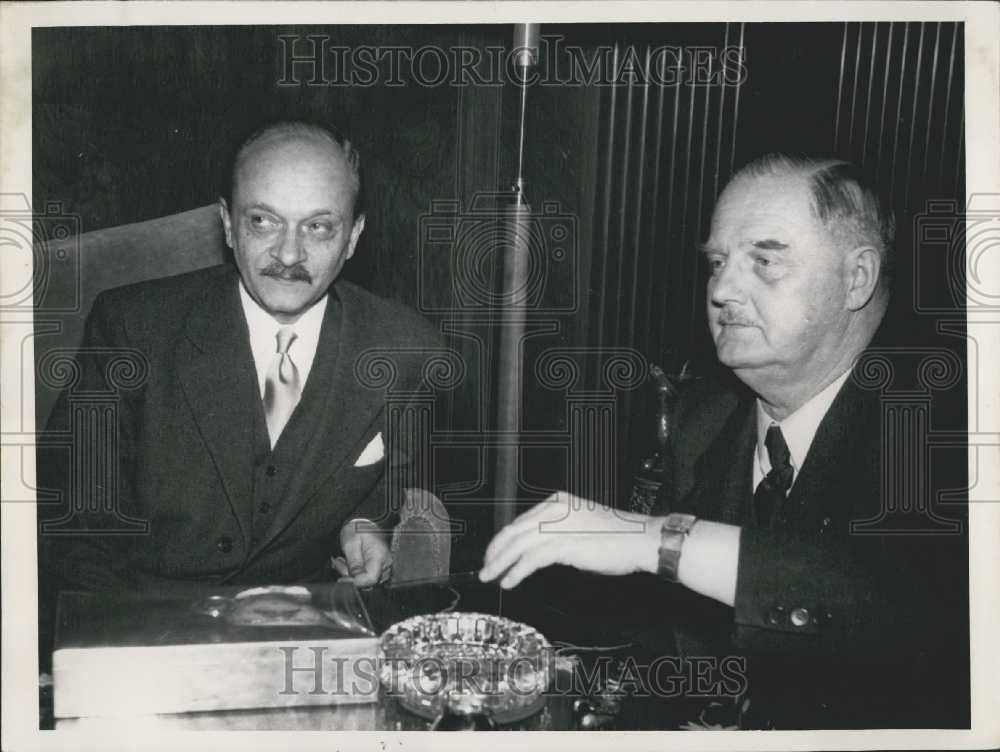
(675, 529)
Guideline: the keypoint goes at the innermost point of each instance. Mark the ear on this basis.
(227, 222)
(356, 230)
(862, 268)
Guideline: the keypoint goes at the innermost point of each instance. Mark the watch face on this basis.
(680, 523)
(675, 529)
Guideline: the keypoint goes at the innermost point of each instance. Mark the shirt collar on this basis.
(799, 428)
(258, 319)
(264, 327)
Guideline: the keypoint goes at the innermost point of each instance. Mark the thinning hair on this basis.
(302, 129)
(843, 198)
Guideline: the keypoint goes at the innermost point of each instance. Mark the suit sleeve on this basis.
(77, 548)
(380, 506)
(885, 595)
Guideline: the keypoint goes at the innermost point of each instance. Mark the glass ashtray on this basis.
(467, 663)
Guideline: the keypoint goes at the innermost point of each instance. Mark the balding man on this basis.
(252, 451)
(765, 481)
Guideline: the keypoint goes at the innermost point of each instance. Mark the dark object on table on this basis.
(651, 473)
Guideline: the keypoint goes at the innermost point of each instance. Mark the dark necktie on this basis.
(772, 490)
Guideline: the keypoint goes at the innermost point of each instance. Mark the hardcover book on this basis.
(221, 649)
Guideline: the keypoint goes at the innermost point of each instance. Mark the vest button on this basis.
(271, 471)
(264, 508)
(224, 544)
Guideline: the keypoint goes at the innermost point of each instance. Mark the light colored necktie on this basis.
(282, 387)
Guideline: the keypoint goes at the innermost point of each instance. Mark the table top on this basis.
(592, 636)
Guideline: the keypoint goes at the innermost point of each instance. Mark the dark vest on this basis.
(275, 468)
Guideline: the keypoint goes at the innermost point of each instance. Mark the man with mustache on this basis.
(765, 481)
(254, 451)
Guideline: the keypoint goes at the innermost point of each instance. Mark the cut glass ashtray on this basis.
(466, 663)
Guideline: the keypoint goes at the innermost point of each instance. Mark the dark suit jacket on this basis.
(839, 624)
(185, 440)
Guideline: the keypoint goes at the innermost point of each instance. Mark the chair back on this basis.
(69, 273)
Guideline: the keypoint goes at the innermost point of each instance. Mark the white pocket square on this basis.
(372, 453)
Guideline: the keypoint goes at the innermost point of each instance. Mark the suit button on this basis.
(264, 508)
(224, 544)
(799, 617)
(776, 615)
(271, 471)
(253, 542)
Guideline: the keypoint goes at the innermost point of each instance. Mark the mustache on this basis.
(729, 317)
(297, 273)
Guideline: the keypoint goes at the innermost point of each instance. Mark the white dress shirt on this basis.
(264, 344)
(263, 337)
(799, 428)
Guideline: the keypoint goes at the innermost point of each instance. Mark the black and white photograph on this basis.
(407, 367)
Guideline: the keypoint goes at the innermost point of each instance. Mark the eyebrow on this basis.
(260, 206)
(769, 245)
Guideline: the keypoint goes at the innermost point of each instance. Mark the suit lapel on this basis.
(723, 490)
(811, 495)
(217, 374)
(346, 408)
